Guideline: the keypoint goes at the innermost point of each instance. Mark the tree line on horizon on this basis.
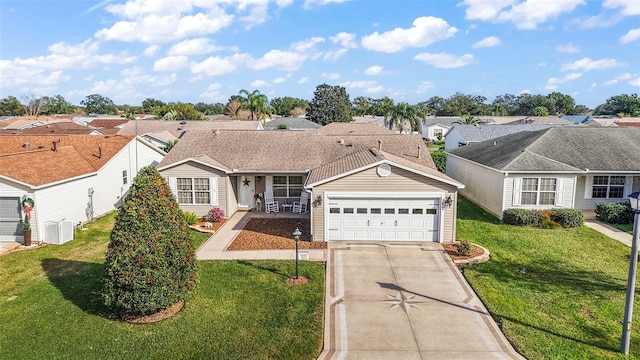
(329, 104)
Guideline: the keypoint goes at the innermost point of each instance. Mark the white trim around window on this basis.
(538, 191)
(607, 186)
(286, 186)
(195, 190)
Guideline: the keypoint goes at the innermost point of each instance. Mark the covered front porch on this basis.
(251, 190)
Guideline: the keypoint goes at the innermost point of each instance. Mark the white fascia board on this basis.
(183, 161)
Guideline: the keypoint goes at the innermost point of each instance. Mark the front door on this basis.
(246, 189)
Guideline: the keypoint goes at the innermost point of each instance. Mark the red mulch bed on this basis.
(215, 226)
(274, 234)
(452, 250)
(156, 317)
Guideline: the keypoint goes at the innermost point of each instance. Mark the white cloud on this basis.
(171, 63)
(303, 80)
(631, 79)
(149, 26)
(331, 76)
(631, 36)
(568, 49)
(124, 89)
(374, 89)
(489, 41)
(526, 14)
(214, 65)
(279, 80)
(541, 64)
(444, 60)
(212, 93)
(552, 83)
(629, 7)
(426, 30)
(309, 4)
(345, 39)
(151, 50)
(424, 87)
(282, 60)
(368, 87)
(524, 91)
(373, 70)
(259, 83)
(197, 46)
(587, 64)
(307, 45)
(335, 55)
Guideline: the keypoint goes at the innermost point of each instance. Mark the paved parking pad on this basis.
(404, 301)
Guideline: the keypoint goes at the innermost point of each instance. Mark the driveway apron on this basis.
(404, 301)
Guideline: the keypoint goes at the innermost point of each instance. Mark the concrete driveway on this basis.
(404, 301)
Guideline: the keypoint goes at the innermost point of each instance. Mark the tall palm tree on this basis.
(258, 104)
(469, 120)
(402, 115)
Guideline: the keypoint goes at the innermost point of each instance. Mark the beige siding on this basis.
(568, 180)
(193, 169)
(482, 185)
(399, 181)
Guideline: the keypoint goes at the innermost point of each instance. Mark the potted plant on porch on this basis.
(27, 205)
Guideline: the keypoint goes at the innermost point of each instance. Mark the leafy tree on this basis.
(581, 110)
(257, 103)
(433, 106)
(178, 111)
(404, 114)
(540, 111)
(440, 160)
(34, 106)
(209, 109)
(284, 106)
(563, 104)
(233, 108)
(461, 104)
(298, 111)
(380, 107)
(98, 104)
(361, 106)
(10, 106)
(58, 105)
(150, 261)
(505, 103)
(149, 104)
(625, 105)
(330, 104)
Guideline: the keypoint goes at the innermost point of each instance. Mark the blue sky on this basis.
(207, 50)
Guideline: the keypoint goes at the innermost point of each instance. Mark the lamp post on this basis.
(634, 200)
(296, 237)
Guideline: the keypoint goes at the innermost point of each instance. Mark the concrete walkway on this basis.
(610, 231)
(404, 301)
(214, 247)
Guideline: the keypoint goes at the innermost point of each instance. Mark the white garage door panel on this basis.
(389, 219)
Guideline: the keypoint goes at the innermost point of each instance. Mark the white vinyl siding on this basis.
(483, 186)
(196, 191)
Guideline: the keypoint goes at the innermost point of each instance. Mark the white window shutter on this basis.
(517, 182)
(559, 192)
(268, 184)
(213, 190)
(588, 186)
(173, 185)
(628, 186)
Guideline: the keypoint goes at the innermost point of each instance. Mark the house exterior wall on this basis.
(428, 132)
(399, 181)
(453, 138)
(192, 170)
(568, 182)
(483, 186)
(583, 202)
(69, 200)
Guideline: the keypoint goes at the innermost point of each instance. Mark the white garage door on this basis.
(389, 219)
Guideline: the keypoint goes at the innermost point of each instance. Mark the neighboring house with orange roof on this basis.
(59, 128)
(71, 178)
(365, 182)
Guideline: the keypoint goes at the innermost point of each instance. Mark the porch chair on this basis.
(269, 203)
(301, 205)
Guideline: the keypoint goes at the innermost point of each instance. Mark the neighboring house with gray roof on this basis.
(363, 184)
(465, 134)
(558, 167)
(434, 126)
(291, 123)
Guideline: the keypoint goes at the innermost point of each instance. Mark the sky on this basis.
(208, 50)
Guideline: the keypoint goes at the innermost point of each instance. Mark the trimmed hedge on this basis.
(150, 262)
(568, 218)
(614, 213)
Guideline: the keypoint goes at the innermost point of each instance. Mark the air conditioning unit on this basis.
(58, 232)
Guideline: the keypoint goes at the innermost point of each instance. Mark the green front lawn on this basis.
(557, 294)
(50, 307)
(624, 227)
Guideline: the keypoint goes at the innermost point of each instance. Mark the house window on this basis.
(538, 191)
(287, 186)
(124, 177)
(437, 133)
(193, 191)
(608, 187)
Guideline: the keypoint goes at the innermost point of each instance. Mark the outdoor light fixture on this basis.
(296, 237)
(448, 202)
(634, 201)
(317, 201)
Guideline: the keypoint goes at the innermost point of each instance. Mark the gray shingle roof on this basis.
(141, 127)
(560, 149)
(291, 123)
(482, 132)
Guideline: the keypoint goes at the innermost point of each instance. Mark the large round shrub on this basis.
(150, 263)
